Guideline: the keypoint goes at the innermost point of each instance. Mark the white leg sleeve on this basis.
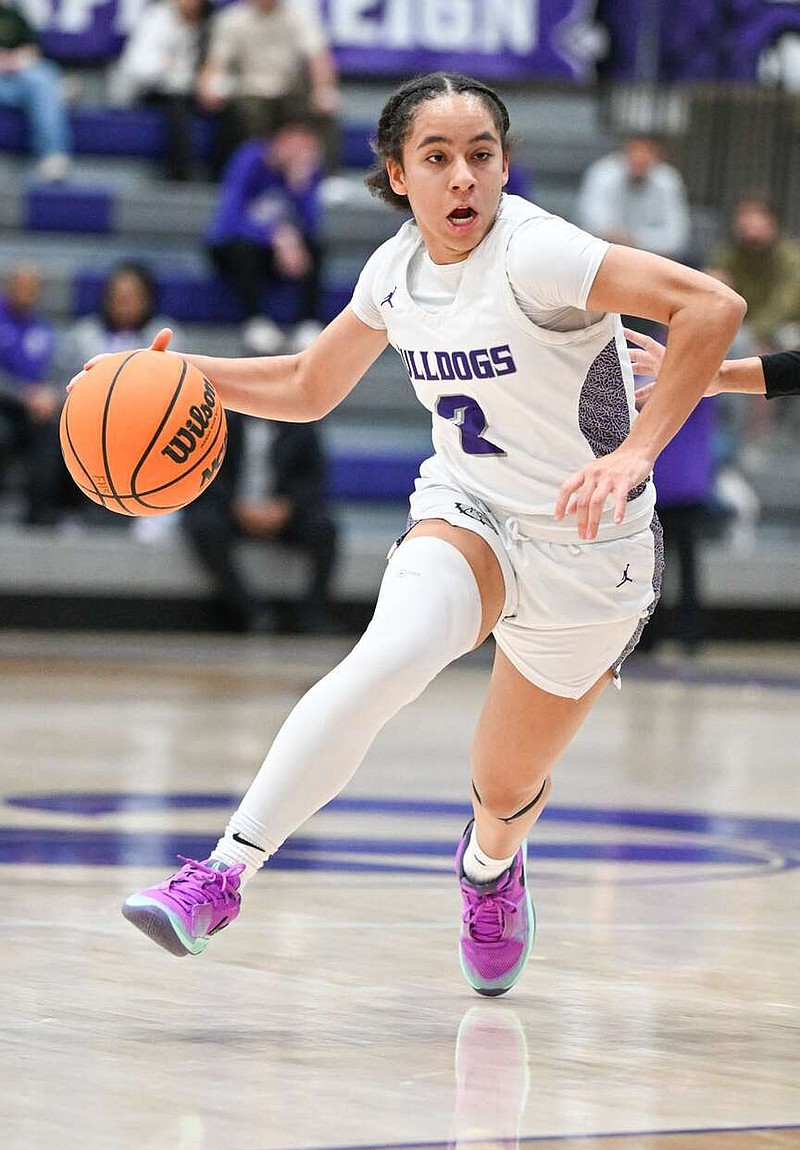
(428, 613)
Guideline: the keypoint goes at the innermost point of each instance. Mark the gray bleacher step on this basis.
(113, 562)
(146, 206)
(111, 171)
(536, 112)
(121, 563)
(61, 252)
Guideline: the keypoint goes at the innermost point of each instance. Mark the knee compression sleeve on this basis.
(428, 613)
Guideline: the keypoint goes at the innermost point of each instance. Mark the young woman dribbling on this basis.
(533, 520)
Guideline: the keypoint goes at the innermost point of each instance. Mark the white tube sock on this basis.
(480, 867)
(428, 614)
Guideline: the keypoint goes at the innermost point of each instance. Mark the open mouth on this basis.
(462, 216)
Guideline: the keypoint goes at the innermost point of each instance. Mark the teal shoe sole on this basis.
(158, 924)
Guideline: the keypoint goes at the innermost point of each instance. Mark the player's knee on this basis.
(507, 800)
(403, 661)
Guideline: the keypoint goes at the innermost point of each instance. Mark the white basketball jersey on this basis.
(516, 408)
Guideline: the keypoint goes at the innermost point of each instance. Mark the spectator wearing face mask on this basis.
(764, 267)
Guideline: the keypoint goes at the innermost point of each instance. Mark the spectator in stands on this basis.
(685, 475)
(272, 487)
(265, 58)
(160, 65)
(33, 84)
(126, 317)
(30, 402)
(764, 267)
(632, 197)
(266, 227)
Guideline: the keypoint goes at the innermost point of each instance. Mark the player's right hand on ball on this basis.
(160, 343)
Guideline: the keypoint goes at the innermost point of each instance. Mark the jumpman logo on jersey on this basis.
(625, 576)
(388, 298)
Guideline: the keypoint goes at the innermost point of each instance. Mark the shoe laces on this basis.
(195, 881)
(486, 914)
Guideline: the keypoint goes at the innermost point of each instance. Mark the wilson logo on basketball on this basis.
(211, 471)
(185, 440)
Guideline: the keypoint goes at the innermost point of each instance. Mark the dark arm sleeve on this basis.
(781, 373)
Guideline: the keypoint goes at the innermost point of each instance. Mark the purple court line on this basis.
(80, 847)
(754, 847)
(522, 1141)
(776, 831)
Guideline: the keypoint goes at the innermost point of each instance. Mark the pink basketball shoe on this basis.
(497, 926)
(182, 913)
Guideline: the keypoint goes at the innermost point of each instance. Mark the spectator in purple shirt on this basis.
(685, 475)
(29, 400)
(265, 229)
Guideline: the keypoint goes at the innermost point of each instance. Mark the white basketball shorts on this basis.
(572, 610)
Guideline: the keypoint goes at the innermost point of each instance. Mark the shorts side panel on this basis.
(658, 578)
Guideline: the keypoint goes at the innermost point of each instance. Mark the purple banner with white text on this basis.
(495, 39)
(501, 40)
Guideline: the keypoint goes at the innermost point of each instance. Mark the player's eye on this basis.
(484, 154)
(435, 158)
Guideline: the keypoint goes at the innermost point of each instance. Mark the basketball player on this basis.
(533, 520)
(773, 375)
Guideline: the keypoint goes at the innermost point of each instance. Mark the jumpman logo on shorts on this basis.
(625, 576)
(388, 298)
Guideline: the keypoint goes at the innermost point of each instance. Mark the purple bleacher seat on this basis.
(377, 477)
(69, 208)
(130, 132)
(355, 148)
(195, 297)
(141, 133)
(13, 130)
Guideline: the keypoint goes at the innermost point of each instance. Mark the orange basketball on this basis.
(143, 433)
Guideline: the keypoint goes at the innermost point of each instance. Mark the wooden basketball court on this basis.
(659, 1010)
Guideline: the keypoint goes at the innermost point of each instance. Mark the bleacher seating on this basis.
(140, 133)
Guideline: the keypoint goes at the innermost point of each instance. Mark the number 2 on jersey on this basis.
(467, 414)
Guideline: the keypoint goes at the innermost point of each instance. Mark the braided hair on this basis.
(397, 116)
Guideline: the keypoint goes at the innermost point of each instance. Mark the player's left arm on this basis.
(291, 388)
(703, 316)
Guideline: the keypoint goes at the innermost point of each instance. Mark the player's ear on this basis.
(397, 179)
